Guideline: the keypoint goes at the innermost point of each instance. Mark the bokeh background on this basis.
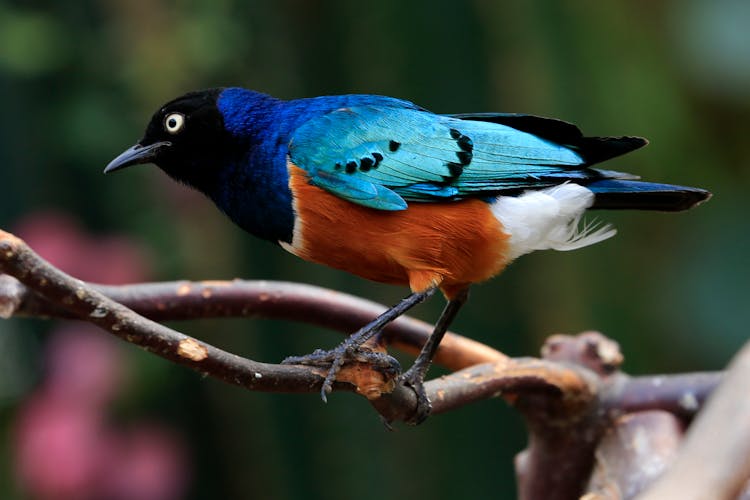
(83, 416)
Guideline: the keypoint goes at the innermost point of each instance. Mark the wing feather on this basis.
(384, 156)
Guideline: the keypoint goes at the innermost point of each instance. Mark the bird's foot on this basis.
(354, 349)
(336, 358)
(414, 378)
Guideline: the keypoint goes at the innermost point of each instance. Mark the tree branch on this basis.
(681, 395)
(88, 304)
(714, 461)
(182, 300)
(44, 290)
(634, 452)
(568, 399)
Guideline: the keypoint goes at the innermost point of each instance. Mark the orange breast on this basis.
(447, 244)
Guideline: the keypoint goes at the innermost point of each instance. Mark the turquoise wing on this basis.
(383, 157)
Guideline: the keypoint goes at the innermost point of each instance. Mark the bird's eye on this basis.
(174, 122)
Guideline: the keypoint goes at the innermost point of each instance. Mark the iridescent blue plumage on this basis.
(383, 153)
(386, 190)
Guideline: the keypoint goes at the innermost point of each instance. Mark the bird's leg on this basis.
(349, 349)
(414, 376)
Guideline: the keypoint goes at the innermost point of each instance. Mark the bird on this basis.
(391, 192)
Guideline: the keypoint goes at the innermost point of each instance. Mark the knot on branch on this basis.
(591, 350)
(10, 296)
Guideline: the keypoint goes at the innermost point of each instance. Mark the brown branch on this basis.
(714, 461)
(182, 300)
(633, 453)
(681, 395)
(568, 399)
(565, 432)
(85, 303)
(49, 291)
(55, 291)
(517, 379)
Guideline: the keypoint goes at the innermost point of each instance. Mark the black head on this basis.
(186, 138)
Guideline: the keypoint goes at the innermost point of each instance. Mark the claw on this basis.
(335, 360)
(338, 362)
(415, 380)
(351, 349)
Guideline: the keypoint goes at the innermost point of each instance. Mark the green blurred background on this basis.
(79, 80)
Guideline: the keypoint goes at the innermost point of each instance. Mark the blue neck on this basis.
(253, 186)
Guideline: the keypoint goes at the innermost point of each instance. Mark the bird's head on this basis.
(186, 138)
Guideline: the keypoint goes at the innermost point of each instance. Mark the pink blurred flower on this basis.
(58, 449)
(83, 366)
(60, 240)
(148, 463)
(64, 445)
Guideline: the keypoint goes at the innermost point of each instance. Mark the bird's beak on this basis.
(136, 155)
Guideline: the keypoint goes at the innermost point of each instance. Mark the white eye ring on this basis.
(174, 122)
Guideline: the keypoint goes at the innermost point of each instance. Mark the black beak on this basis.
(136, 155)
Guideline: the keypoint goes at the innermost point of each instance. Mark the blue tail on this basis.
(638, 195)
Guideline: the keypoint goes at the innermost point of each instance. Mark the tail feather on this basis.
(637, 195)
(613, 190)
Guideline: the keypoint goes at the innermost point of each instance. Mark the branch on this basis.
(633, 453)
(514, 379)
(42, 289)
(83, 302)
(568, 399)
(681, 395)
(565, 435)
(714, 462)
(182, 300)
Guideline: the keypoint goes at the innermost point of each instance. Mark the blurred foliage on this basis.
(78, 81)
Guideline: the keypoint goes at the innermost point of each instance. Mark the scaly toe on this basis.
(424, 407)
(318, 357)
(335, 359)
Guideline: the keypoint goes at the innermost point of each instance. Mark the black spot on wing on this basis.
(393, 146)
(366, 163)
(456, 169)
(464, 157)
(464, 154)
(465, 143)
